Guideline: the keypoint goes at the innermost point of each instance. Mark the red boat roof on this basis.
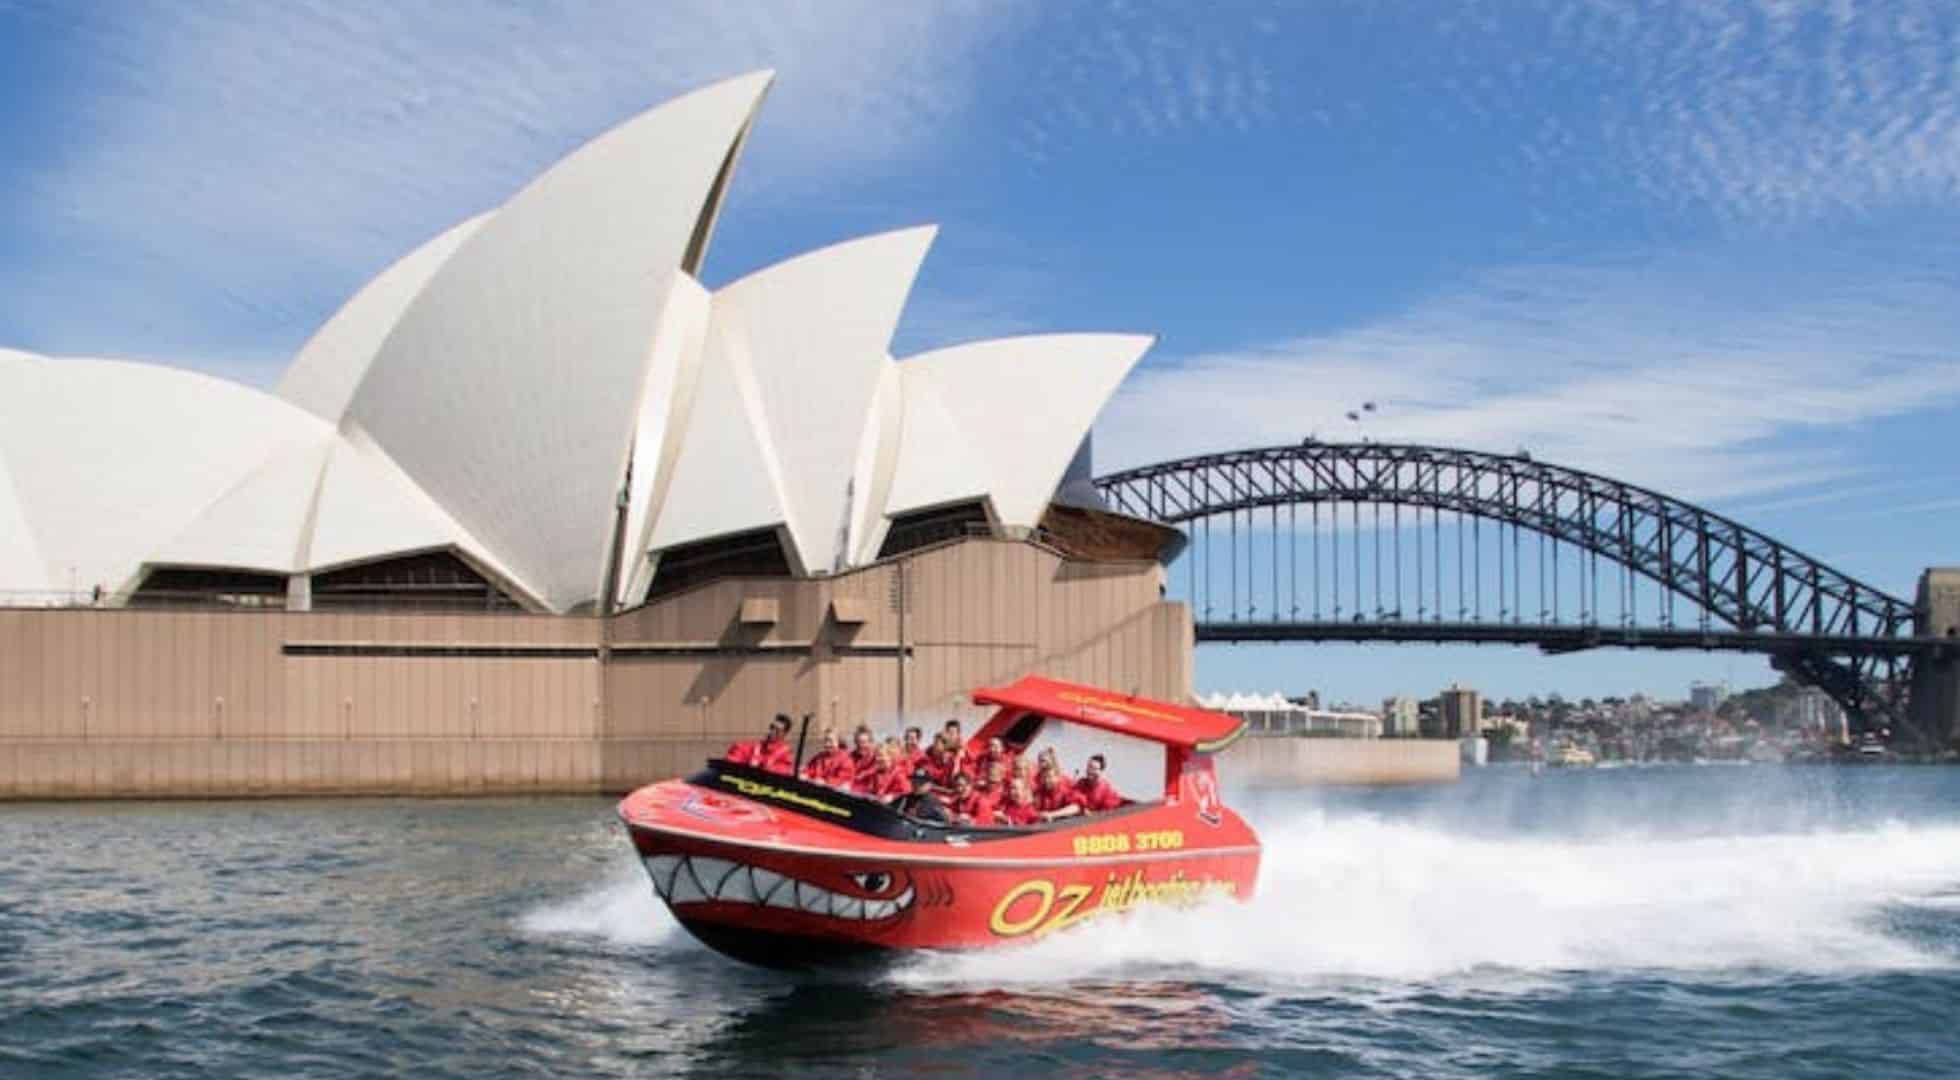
(1158, 721)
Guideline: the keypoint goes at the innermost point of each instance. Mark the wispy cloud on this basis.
(1836, 493)
(226, 171)
(1926, 506)
(1780, 108)
(1146, 70)
(239, 165)
(1750, 109)
(1659, 371)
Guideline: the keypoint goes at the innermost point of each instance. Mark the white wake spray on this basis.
(619, 910)
(1361, 897)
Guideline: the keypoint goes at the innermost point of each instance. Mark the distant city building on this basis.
(1400, 716)
(1274, 714)
(1519, 727)
(1429, 723)
(1460, 713)
(1813, 710)
(1707, 697)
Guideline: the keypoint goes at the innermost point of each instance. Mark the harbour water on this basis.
(1741, 922)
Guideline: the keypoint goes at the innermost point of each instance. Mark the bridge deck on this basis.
(1559, 638)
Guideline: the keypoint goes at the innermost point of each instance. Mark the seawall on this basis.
(1285, 761)
(154, 703)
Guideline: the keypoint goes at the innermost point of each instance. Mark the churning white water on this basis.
(1360, 896)
(620, 909)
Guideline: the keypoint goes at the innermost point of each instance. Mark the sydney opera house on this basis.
(535, 509)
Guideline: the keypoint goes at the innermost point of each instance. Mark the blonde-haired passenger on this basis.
(888, 780)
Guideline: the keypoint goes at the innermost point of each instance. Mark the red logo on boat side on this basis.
(714, 808)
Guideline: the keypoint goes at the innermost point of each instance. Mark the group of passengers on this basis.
(995, 786)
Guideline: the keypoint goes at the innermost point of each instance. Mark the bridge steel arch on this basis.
(1818, 624)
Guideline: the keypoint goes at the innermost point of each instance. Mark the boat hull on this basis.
(782, 890)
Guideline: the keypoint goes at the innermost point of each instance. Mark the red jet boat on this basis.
(773, 870)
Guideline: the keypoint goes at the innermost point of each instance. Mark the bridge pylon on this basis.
(1934, 708)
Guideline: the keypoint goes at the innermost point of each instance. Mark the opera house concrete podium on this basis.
(536, 510)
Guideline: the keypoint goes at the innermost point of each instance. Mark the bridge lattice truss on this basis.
(1715, 583)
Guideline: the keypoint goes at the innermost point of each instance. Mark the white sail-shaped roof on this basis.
(1018, 408)
(939, 460)
(23, 569)
(726, 477)
(877, 467)
(819, 329)
(814, 335)
(673, 374)
(510, 388)
(547, 377)
(329, 367)
(112, 459)
(261, 523)
(367, 509)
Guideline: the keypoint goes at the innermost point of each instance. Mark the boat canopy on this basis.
(1179, 726)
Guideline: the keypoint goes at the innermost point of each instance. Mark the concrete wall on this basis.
(975, 613)
(132, 702)
(145, 703)
(1279, 761)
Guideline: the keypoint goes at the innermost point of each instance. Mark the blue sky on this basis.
(1708, 247)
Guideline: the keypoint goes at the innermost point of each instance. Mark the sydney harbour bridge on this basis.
(1384, 542)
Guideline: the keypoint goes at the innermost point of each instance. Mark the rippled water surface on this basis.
(1649, 922)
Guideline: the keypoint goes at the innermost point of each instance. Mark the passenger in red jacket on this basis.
(912, 755)
(1094, 791)
(971, 804)
(889, 780)
(995, 779)
(948, 760)
(864, 754)
(1054, 796)
(995, 754)
(1019, 808)
(772, 753)
(832, 765)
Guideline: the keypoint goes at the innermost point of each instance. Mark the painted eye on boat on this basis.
(873, 883)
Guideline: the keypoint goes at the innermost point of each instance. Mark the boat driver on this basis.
(924, 803)
(1094, 791)
(771, 754)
